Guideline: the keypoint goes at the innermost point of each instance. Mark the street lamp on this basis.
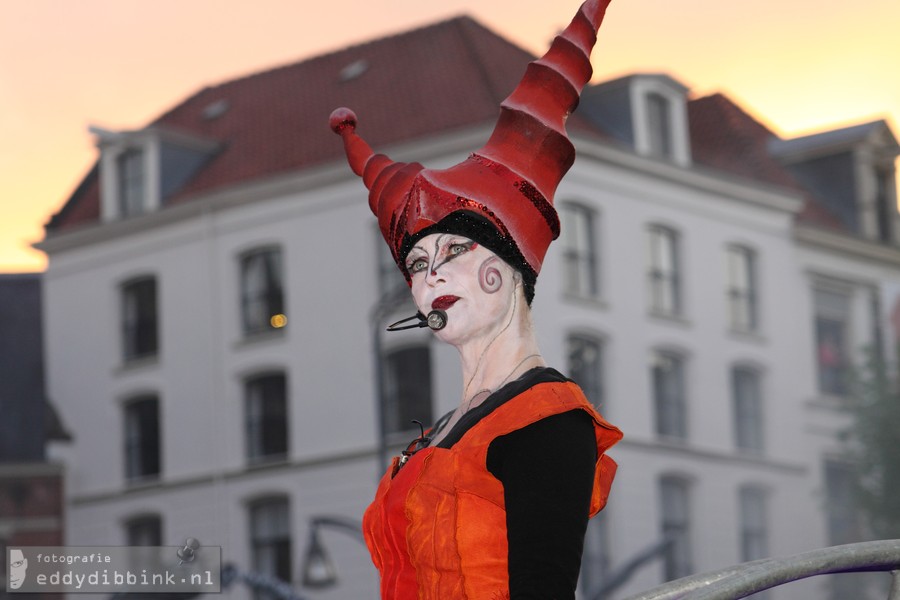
(318, 569)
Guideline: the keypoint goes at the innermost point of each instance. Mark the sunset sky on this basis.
(800, 66)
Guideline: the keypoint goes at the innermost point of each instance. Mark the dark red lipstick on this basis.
(444, 302)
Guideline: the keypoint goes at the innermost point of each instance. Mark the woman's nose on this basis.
(433, 277)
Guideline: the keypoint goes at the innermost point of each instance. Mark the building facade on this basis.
(217, 292)
(31, 486)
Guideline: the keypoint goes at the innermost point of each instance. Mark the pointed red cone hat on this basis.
(510, 181)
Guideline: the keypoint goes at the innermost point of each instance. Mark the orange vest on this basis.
(437, 526)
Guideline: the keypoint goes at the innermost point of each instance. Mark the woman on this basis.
(493, 503)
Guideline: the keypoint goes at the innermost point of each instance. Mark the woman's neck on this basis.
(491, 362)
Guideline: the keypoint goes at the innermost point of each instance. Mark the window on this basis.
(390, 279)
(754, 519)
(407, 388)
(270, 541)
(667, 374)
(140, 337)
(144, 531)
(266, 418)
(742, 295)
(885, 209)
(844, 524)
(130, 172)
(875, 322)
(142, 439)
(262, 293)
(659, 125)
(580, 269)
(832, 319)
(664, 277)
(676, 526)
(586, 366)
(747, 409)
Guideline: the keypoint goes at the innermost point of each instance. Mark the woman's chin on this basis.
(455, 332)
(447, 335)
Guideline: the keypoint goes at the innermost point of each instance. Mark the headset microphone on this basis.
(436, 320)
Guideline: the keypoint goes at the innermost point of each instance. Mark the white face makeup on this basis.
(469, 282)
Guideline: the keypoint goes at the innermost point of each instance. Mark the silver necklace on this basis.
(500, 385)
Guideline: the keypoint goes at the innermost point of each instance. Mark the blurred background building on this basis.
(31, 486)
(217, 292)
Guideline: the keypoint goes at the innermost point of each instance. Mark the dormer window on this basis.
(648, 112)
(660, 123)
(131, 179)
(659, 126)
(851, 173)
(885, 207)
(140, 170)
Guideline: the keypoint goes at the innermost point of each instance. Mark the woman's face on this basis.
(474, 286)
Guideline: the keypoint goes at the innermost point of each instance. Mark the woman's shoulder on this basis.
(546, 384)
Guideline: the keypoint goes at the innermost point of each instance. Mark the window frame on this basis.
(581, 271)
(753, 508)
(142, 440)
(748, 438)
(660, 125)
(263, 426)
(844, 523)
(270, 297)
(837, 323)
(276, 537)
(594, 386)
(139, 318)
(399, 409)
(664, 280)
(742, 291)
(131, 181)
(390, 278)
(678, 560)
(885, 207)
(670, 413)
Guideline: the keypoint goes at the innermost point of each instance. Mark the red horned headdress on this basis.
(510, 182)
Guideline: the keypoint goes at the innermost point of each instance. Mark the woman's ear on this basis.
(518, 283)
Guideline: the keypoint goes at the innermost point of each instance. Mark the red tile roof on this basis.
(449, 75)
(446, 76)
(727, 138)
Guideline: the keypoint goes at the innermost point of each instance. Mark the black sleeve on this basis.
(547, 472)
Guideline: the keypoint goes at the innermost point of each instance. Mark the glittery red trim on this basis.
(468, 203)
(540, 203)
(537, 199)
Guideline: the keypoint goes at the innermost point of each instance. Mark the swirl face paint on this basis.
(489, 277)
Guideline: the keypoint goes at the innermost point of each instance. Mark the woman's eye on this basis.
(417, 265)
(456, 249)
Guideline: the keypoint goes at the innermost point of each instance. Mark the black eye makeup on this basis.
(445, 250)
(459, 246)
(416, 265)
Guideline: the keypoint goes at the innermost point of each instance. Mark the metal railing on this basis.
(742, 580)
(730, 583)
